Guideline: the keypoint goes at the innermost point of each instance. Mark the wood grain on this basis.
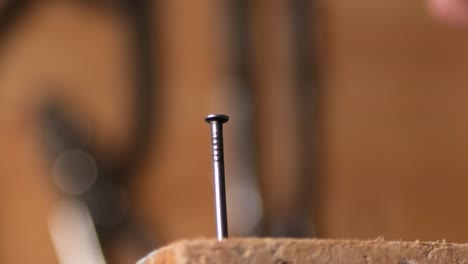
(255, 250)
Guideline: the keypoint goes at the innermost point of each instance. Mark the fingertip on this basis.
(452, 12)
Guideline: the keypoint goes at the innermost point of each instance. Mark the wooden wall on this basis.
(395, 123)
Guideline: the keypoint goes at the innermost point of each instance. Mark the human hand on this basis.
(453, 12)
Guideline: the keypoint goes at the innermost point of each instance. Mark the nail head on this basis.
(217, 117)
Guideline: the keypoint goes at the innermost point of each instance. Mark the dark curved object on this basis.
(116, 172)
(9, 13)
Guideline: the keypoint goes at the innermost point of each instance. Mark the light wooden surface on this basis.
(307, 251)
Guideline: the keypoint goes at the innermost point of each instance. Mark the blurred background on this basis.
(349, 119)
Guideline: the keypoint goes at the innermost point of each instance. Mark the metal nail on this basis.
(216, 123)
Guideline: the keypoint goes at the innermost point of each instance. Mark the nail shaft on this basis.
(216, 124)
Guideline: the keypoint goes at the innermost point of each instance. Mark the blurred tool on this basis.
(97, 201)
(10, 11)
(73, 234)
(304, 30)
(95, 212)
(244, 198)
(74, 172)
(106, 196)
(288, 102)
(297, 100)
(216, 123)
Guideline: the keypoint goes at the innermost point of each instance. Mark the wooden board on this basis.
(285, 251)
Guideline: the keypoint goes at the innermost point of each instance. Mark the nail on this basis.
(216, 122)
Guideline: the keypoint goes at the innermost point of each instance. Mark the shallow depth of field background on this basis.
(369, 140)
